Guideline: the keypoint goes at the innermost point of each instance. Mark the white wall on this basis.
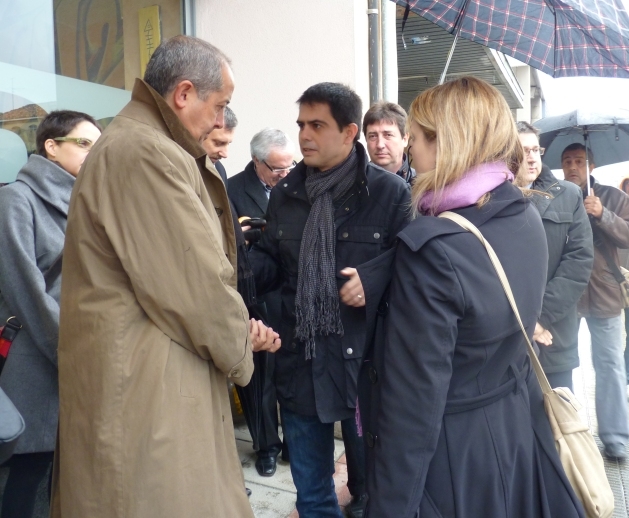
(278, 49)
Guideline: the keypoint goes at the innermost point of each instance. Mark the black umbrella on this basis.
(606, 134)
(251, 395)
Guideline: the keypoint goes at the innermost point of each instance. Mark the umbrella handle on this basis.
(457, 24)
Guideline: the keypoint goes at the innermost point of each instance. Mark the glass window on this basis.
(79, 55)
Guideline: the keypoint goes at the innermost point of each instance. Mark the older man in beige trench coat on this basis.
(151, 323)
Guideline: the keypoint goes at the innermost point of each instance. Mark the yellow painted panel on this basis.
(150, 34)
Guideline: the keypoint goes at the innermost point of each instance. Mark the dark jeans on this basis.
(26, 471)
(311, 446)
(560, 379)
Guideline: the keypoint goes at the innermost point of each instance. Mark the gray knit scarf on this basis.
(317, 299)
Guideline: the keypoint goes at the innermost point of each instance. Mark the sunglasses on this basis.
(83, 143)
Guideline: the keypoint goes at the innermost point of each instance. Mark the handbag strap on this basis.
(470, 227)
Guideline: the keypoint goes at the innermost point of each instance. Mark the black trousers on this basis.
(627, 343)
(261, 409)
(26, 471)
(560, 379)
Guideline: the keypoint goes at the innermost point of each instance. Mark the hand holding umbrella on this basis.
(593, 205)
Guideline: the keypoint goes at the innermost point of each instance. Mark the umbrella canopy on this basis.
(562, 38)
(607, 135)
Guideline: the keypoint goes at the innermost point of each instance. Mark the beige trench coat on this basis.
(151, 326)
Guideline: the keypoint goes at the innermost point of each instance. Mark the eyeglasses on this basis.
(281, 170)
(535, 150)
(84, 143)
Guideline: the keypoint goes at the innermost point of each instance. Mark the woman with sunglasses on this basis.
(33, 219)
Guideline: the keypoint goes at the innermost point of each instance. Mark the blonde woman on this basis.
(452, 413)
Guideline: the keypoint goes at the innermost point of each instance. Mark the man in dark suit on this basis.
(217, 142)
(272, 159)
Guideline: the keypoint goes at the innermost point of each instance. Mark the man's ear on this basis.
(181, 95)
(351, 130)
(405, 139)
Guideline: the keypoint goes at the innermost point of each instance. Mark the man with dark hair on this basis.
(216, 145)
(331, 213)
(602, 302)
(570, 256)
(151, 323)
(384, 126)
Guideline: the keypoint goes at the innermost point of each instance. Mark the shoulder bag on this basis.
(11, 328)
(577, 450)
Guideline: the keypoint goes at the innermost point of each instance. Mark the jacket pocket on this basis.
(191, 369)
(289, 238)
(357, 244)
(558, 216)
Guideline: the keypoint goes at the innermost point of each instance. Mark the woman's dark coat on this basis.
(570, 258)
(32, 225)
(374, 210)
(452, 413)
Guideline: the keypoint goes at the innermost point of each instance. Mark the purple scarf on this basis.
(476, 182)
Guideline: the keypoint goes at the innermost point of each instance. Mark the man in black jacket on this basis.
(217, 142)
(570, 257)
(272, 159)
(333, 212)
(602, 303)
(384, 125)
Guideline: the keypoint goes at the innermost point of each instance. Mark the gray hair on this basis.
(230, 119)
(186, 58)
(266, 140)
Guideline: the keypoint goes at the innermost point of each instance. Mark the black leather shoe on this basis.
(356, 508)
(248, 491)
(265, 466)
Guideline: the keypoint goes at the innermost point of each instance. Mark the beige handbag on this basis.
(578, 452)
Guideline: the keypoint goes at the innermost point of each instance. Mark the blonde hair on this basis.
(472, 125)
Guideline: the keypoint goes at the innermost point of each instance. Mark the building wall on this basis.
(278, 49)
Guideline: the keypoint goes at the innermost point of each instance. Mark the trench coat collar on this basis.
(164, 119)
(505, 198)
(50, 182)
(294, 183)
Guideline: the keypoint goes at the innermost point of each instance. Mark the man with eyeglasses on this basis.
(271, 160)
(570, 256)
(602, 302)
